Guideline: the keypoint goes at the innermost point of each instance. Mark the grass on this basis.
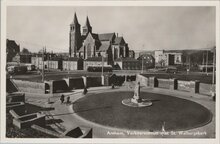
(107, 109)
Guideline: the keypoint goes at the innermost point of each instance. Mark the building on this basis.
(89, 44)
(128, 64)
(167, 58)
(54, 63)
(131, 54)
(73, 63)
(147, 61)
(12, 48)
(95, 62)
(22, 58)
(37, 59)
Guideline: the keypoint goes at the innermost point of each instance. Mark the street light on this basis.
(102, 64)
(43, 65)
(142, 69)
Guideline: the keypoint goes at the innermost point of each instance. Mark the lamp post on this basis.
(102, 64)
(68, 66)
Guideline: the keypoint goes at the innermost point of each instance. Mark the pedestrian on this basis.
(85, 90)
(68, 100)
(113, 86)
(62, 98)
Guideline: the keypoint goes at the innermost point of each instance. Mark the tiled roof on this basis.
(106, 36)
(95, 59)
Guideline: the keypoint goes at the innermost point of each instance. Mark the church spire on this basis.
(74, 37)
(87, 22)
(75, 20)
(87, 27)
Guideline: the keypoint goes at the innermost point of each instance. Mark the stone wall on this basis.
(175, 84)
(30, 87)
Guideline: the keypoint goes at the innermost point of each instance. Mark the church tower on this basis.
(74, 37)
(87, 27)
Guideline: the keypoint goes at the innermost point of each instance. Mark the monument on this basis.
(137, 100)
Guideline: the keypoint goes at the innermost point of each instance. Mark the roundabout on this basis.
(165, 112)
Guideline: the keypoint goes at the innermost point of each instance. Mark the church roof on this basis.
(106, 36)
(95, 36)
(119, 40)
(104, 47)
(81, 49)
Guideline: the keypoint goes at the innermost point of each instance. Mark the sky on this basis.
(143, 27)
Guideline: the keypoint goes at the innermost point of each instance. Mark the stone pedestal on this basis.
(84, 81)
(173, 84)
(153, 82)
(103, 80)
(195, 86)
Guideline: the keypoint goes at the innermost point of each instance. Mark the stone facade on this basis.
(166, 58)
(90, 44)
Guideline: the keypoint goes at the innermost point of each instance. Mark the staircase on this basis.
(10, 86)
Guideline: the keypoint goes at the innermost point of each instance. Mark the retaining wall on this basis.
(174, 84)
(30, 87)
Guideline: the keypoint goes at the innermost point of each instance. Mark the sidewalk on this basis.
(65, 119)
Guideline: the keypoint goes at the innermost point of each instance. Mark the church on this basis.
(87, 44)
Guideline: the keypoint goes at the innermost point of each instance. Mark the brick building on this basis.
(89, 44)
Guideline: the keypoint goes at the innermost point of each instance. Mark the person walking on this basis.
(62, 98)
(68, 100)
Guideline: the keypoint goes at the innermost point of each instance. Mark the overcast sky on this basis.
(147, 28)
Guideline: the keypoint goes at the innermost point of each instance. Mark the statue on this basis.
(137, 91)
(136, 98)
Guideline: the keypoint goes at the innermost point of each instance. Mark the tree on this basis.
(25, 51)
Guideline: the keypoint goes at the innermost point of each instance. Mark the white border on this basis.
(5, 3)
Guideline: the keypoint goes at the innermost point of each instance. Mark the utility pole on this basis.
(142, 69)
(43, 65)
(68, 65)
(207, 58)
(203, 59)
